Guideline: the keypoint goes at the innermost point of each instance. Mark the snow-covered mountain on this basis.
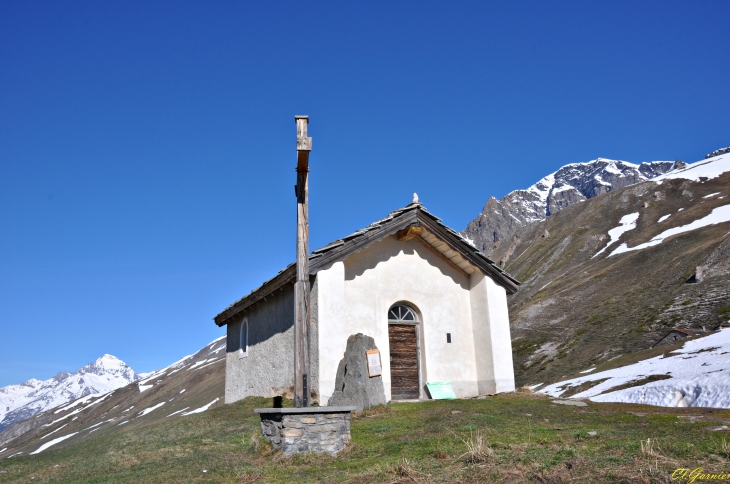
(499, 220)
(19, 402)
(606, 279)
(189, 386)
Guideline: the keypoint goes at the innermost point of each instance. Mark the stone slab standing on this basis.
(353, 385)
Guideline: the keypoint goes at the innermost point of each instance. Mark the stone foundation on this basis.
(310, 429)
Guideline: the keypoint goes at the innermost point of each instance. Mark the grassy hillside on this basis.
(525, 438)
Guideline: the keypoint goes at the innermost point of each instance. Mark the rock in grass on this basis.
(353, 385)
(570, 402)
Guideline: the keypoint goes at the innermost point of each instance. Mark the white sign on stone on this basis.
(374, 366)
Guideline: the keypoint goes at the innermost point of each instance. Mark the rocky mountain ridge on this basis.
(22, 401)
(719, 152)
(494, 228)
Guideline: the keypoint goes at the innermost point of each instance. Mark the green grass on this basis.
(525, 438)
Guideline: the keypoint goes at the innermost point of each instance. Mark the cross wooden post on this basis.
(302, 383)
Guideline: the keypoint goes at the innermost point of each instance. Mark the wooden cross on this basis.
(302, 383)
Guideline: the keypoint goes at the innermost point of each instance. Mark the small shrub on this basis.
(477, 450)
(525, 346)
(248, 478)
(255, 442)
(440, 455)
(647, 448)
(723, 312)
(405, 469)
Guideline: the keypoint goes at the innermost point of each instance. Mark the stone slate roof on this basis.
(324, 257)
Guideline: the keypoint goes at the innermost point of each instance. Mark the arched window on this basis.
(401, 312)
(243, 339)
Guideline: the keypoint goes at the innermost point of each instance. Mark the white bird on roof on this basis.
(415, 198)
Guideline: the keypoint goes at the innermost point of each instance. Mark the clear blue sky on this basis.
(147, 148)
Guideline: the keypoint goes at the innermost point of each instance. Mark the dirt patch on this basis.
(637, 383)
(582, 387)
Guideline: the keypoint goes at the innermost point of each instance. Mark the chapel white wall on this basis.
(355, 295)
(492, 340)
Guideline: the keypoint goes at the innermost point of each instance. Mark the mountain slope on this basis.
(19, 402)
(191, 385)
(613, 275)
(493, 230)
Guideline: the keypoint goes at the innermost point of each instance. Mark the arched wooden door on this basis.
(403, 340)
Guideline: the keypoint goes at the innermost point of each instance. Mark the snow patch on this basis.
(563, 188)
(97, 424)
(175, 413)
(699, 376)
(75, 402)
(546, 285)
(627, 222)
(717, 216)
(664, 217)
(201, 409)
(150, 409)
(49, 433)
(79, 410)
(52, 442)
(201, 362)
(215, 360)
(712, 195)
(709, 168)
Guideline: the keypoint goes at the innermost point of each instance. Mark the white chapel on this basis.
(435, 306)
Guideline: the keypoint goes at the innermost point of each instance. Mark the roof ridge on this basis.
(343, 247)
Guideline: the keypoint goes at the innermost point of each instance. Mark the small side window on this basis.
(243, 339)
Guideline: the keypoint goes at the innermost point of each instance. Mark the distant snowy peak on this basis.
(109, 365)
(577, 182)
(19, 402)
(571, 184)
